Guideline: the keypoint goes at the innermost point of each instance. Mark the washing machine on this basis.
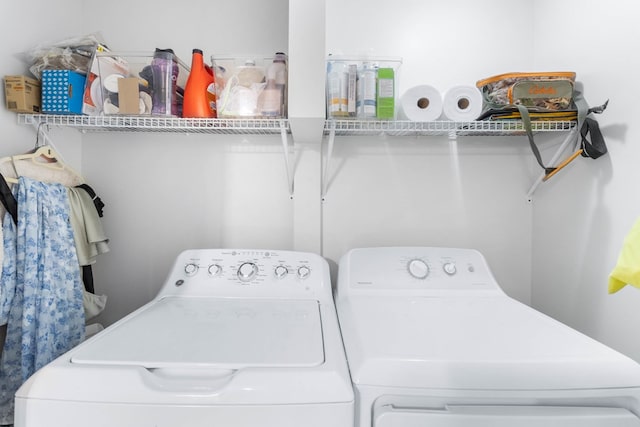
(234, 338)
(432, 340)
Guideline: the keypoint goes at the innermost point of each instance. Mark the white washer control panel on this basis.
(414, 268)
(249, 269)
(247, 272)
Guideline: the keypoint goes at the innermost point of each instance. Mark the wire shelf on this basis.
(257, 126)
(159, 124)
(408, 128)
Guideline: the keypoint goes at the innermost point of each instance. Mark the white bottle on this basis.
(280, 65)
(367, 95)
(337, 89)
(273, 96)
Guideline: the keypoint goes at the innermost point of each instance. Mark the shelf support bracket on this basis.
(325, 172)
(571, 136)
(287, 160)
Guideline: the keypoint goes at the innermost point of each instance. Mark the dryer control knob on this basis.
(191, 269)
(418, 268)
(280, 271)
(304, 272)
(214, 270)
(247, 271)
(449, 268)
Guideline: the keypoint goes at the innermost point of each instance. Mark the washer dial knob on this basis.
(449, 268)
(418, 269)
(247, 271)
(281, 271)
(191, 269)
(303, 272)
(214, 270)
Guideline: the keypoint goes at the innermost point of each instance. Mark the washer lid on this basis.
(473, 343)
(212, 332)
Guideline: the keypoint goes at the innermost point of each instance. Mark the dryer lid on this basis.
(473, 343)
(176, 332)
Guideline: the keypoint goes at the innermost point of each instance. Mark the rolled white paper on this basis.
(462, 103)
(421, 104)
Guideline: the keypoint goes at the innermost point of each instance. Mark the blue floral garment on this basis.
(40, 287)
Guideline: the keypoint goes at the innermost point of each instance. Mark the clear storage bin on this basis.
(122, 83)
(362, 88)
(251, 86)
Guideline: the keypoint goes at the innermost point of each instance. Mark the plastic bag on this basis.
(239, 97)
(73, 53)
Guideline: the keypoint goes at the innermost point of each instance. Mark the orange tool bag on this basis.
(543, 96)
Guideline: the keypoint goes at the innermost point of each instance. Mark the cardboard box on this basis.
(22, 94)
(62, 91)
(385, 101)
(129, 96)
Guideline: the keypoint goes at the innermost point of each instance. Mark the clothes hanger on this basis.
(43, 155)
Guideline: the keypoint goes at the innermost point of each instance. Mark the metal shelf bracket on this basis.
(326, 170)
(285, 151)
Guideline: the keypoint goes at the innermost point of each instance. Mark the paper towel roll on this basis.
(462, 103)
(421, 104)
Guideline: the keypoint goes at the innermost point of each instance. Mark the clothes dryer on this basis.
(235, 337)
(432, 340)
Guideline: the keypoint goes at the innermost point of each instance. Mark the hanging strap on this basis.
(97, 201)
(8, 200)
(526, 123)
(585, 126)
(594, 147)
(87, 279)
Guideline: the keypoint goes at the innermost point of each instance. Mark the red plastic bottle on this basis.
(196, 102)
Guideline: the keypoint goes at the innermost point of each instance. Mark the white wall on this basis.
(582, 217)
